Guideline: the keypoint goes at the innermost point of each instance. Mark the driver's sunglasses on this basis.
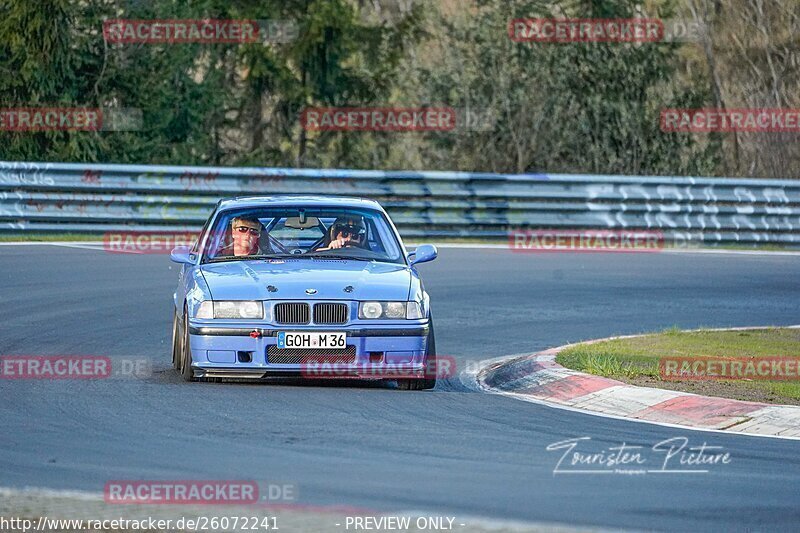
(350, 231)
(245, 229)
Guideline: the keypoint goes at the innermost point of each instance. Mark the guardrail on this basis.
(93, 198)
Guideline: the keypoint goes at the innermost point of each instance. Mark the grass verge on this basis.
(636, 360)
(50, 237)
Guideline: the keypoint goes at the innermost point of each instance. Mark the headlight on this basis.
(205, 310)
(232, 309)
(394, 309)
(390, 310)
(370, 310)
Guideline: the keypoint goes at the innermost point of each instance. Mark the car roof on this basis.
(307, 200)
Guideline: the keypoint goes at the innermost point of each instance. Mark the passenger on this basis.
(245, 236)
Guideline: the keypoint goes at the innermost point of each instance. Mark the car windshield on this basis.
(304, 233)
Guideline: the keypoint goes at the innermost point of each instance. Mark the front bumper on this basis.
(390, 351)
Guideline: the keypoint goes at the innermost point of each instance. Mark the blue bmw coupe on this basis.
(307, 286)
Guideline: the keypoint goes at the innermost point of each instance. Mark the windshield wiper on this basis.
(339, 256)
(248, 257)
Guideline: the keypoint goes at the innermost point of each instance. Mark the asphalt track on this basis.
(449, 450)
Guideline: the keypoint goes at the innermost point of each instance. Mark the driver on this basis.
(246, 233)
(346, 231)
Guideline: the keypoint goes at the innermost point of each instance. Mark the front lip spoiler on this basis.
(239, 373)
(245, 332)
(261, 373)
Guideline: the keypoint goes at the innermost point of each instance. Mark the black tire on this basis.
(430, 368)
(186, 353)
(176, 343)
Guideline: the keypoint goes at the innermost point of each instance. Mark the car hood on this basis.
(248, 280)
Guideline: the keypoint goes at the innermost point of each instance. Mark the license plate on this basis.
(289, 339)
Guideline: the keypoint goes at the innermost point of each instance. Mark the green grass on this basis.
(758, 247)
(636, 359)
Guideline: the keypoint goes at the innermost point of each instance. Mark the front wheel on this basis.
(429, 381)
(176, 342)
(186, 352)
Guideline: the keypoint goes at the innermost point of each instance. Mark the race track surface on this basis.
(449, 450)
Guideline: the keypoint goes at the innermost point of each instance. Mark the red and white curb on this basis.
(537, 377)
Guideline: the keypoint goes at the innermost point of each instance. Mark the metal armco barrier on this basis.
(89, 198)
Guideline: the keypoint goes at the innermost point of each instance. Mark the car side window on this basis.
(372, 241)
(196, 245)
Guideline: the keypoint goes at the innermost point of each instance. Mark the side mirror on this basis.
(423, 254)
(182, 254)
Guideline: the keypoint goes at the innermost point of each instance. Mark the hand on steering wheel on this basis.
(336, 244)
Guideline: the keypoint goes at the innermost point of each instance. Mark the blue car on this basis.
(306, 286)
